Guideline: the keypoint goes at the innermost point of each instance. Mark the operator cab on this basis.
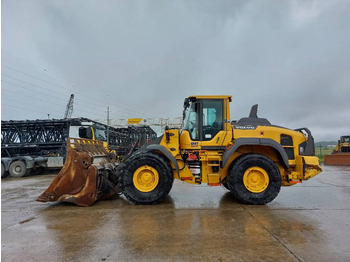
(95, 132)
(204, 116)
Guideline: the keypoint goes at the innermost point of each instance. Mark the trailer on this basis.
(29, 144)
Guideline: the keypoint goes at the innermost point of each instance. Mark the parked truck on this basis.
(29, 144)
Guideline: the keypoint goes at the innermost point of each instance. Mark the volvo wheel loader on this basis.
(251, 157)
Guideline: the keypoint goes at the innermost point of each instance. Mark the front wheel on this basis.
(254, 179)
(146, 178)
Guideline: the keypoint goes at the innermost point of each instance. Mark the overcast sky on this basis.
(142, 58)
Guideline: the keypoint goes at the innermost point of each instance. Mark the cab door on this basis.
(205, 125)
(211, 122)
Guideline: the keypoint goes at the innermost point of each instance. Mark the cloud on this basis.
(142, 58)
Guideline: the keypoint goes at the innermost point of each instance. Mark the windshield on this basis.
(346, 139)
(100, 134)
(191, 120)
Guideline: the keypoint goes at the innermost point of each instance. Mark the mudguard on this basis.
(257, 141)
(166, 153)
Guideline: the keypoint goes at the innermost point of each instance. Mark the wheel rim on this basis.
(256, 179)
(146, 178)
(18, 169)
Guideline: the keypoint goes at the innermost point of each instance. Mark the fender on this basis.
(282, 155)
(166, 153)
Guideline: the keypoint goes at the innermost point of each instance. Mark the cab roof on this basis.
(211, 97)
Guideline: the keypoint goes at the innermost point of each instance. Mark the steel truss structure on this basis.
(48, 137)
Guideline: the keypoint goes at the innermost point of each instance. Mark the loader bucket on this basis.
(87, 175)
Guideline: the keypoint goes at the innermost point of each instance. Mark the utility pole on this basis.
(320, 150)
(107, 124)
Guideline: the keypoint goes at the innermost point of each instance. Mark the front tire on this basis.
(146, 178)
(254, 179)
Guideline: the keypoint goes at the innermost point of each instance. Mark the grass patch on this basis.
(323, 151)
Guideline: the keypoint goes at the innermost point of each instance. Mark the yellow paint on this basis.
(93, 134)
(146, 178)
(213, 178)
(256, 179)
(342, 144)
(133, 121)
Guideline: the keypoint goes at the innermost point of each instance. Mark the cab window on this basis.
(191, 122)
(212, 118)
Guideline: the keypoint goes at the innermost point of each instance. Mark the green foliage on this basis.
(322, 152)
(325, 143)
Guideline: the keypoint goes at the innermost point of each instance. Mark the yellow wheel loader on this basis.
(250, 157)
(341, 155)
(343, 144)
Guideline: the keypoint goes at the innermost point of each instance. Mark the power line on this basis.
(25, 63)
(28, 96)
(26, 88)
(62, 106)
(93, 98)
(41, 112)
(36, 106)
(43, 88)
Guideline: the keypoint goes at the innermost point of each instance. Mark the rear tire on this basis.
(18, 169)
(146, 178)
(254, 179)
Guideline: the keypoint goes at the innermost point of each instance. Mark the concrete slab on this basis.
(306, 222)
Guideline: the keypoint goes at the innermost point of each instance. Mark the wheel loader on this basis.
(343, 144)
(251, 157)
(341, 155)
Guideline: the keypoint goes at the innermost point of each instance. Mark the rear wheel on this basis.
(18, 169)
(146, 178)
(254, 179)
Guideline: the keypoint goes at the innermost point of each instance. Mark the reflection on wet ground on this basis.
(305, 222)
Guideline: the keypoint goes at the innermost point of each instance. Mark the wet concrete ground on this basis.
(306, 222)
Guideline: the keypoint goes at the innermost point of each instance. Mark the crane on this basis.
(69, 107)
